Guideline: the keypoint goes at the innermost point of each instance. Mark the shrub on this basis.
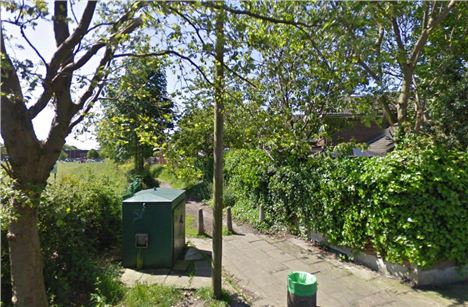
(411, 206)
(419, 205)
(246, 177)
(144, 176)
(79, 218)
(156, 170)
(200, 191)
(140, 180)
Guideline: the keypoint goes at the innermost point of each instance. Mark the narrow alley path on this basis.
(261, 263)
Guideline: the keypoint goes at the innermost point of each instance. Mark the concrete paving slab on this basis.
(202, 268)
(178, 281)
(152, 279)
(193, 254)
(199, 282)
(181, 266)
(130, 277)
(162, 271)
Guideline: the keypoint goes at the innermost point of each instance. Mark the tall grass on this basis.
(106, 169)
(151, 295)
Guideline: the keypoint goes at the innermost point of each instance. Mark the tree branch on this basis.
(434, 22)
(99, 74)
(88, 108)
(73, 11)
(52, 76)
(396, 29)
(369, 70)
(168, 52)
(238, 75)
(255, 15)
(425, 16)
(41, 103)
(14, 118)
(33, 47)
(61, 30)
(67, 45)
(100, 25)
(438, 19)
(7, 168)
(84, 59)
(197, 30)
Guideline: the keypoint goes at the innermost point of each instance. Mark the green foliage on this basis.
(200, 191)
(409, 206)
(167, 176)
(156, 170)
(108, 290)
(206, 294)
(115, 174)
(195, 189)
(246, 174)
(145, 178)
(93, 154)
(136, 112)
(346, 148)
(190, 226)
(79, 218)
(63, 155)
(69, 147)
(142, 295)
(442, 80)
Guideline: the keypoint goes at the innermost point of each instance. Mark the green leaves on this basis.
(136, 111)
(409, 206)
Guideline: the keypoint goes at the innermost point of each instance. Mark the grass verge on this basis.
(142, 295)
(206, 295)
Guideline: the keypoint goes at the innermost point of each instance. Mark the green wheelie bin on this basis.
(302, 289)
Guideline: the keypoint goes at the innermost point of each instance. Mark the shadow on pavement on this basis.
(457, 292)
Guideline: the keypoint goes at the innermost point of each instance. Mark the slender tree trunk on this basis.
(138, 156)
(218, 157)
(402, 106)
(25, 255)
(389, 116)
(419, 108)
(140, 160)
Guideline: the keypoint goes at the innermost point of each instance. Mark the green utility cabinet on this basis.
(153, 226)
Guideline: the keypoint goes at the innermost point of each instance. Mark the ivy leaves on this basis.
(409, 206)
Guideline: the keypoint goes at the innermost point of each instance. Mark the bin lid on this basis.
(302, 283)
(157, 195)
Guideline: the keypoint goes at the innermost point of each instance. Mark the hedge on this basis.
(410, 206)
(79, 219)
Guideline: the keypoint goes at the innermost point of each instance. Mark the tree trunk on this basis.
(25, 255)
(402, 106)
(138, 156)
(218, 158)
(389, 116)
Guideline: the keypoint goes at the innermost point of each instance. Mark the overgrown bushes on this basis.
(79, 219)
(197, 188)
(140, 180)
(410, 206)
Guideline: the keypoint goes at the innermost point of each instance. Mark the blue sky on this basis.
(42, 37)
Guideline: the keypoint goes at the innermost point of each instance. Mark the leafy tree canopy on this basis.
(136, 111)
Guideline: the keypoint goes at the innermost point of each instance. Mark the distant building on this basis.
(77, 154)
(349, 127)
(379, 138)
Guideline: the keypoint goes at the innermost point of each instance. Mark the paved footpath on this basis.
(260, 264)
